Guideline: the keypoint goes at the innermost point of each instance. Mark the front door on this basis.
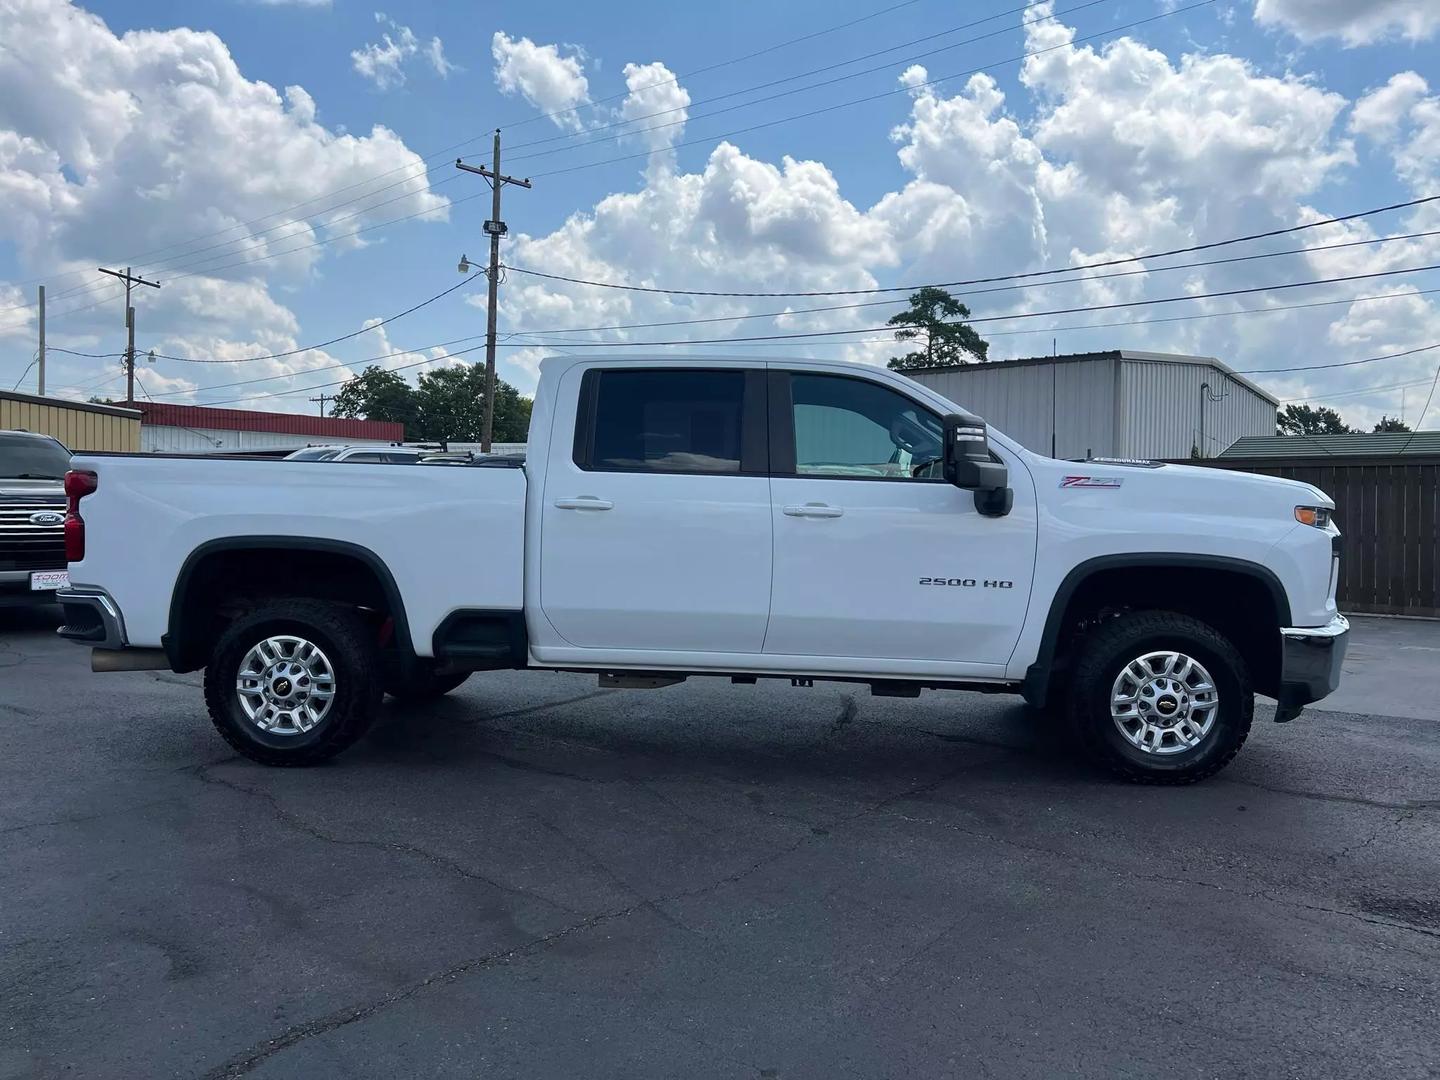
(876, 556)
(656, 522)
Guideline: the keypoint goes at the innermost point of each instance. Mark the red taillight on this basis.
(77, 486)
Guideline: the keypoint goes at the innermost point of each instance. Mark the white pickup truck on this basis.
(740, 518)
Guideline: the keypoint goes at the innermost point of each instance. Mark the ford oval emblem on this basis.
(47, 517)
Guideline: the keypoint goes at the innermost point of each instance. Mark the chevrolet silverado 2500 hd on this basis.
(742, 518)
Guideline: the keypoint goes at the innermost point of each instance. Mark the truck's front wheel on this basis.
(1160, 697)
(293, 683)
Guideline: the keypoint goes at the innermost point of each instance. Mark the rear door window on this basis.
(657, 420)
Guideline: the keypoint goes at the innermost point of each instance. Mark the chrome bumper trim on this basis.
(112, 625)
(1336, 627)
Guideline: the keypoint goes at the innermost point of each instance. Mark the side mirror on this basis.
(969, 465)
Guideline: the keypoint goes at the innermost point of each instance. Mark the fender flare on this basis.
(1035, 687)
(172, 641)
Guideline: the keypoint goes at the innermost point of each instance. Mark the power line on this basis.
(888, 338)
(90, 355)
(888, 65)
(323, 344)
(1424, 409)
(1357, 393)
(1028, 314)
(875, 303)
(879, 96)
(1006, 288)
(461, 352)
(1347, 363)
(1101, 264)
(341, 382)
(831, 108)
(572, 135)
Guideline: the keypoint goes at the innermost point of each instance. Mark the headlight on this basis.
(1318, 516)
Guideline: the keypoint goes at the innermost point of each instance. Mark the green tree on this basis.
(377, 394)
(1391, 423)
(936, 320)
(1311, 420)
(452, 406)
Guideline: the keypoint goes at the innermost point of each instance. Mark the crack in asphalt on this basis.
(1349, 849)
(848, 711)
(1321, 796)
(293, 821)
(1090, 860)
(82, 818)
(246, 1062)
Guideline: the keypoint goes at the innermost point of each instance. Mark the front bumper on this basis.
(1311, 657)
(91, 618)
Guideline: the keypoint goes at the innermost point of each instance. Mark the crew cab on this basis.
(745, 518)
(32, 517)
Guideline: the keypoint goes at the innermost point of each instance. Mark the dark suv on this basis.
(32, 517)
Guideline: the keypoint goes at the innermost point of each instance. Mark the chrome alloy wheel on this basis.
(1164, 703)
(286, 685)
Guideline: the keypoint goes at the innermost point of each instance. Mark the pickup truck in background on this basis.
(740, 518)
(32, 517)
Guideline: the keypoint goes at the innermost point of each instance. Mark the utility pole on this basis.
(324, 397)
(129, 279)
(40, 358)
(495, 228)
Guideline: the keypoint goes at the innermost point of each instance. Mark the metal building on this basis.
(192, 429)
(78, 424)
(1118, 403)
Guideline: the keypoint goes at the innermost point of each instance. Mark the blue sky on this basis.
(1233, 117)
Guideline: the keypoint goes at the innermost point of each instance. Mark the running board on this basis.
(622, 680)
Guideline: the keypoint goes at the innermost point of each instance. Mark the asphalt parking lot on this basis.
(537, 878)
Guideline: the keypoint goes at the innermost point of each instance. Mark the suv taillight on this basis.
(77, 486)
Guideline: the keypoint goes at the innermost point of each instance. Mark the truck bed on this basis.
(452, 537)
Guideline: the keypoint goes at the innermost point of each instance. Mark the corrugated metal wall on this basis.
(1160, 405)
(77, 428)
(1017, 401)
(161, 438)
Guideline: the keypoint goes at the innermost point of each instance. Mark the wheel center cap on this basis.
(1167, 705)
(282, 687)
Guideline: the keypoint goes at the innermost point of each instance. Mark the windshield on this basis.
(24, 457)
(313, 453)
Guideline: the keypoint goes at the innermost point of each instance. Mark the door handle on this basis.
(584, 502)
(814, 510)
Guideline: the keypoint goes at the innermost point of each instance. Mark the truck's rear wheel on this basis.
(293, 683)
(1160, 698)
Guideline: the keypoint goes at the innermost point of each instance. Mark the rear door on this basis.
(656, 530)
(876, 555)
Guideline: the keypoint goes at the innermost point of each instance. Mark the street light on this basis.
(464, 266)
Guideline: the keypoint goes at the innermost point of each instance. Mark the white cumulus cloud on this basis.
(657, 105)
(130, 147)
(544, 76)
(383, 62)
(1355, 22)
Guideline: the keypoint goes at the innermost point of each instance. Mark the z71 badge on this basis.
(1091, 481)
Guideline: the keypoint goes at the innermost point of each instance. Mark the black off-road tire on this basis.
(349, 644)
(421, 683)
(1104, 653)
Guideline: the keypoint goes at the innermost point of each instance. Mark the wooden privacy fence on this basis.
(1386, 508)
